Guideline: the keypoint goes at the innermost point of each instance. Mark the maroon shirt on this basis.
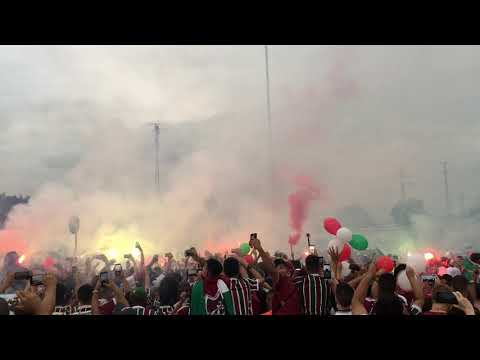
(433, 313)
(286, 294)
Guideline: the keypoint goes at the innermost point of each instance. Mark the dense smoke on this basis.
(76, 138)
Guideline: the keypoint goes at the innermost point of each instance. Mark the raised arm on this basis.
(266, 259)
(416, 287)
(95, 300)
(200, 260)
(118, 294)
(142, 256)
(6, 282)
(358, 307)
(48, 303)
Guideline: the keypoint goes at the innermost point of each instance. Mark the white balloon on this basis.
(403, 282)
(334, 243)
(345, 269)
(344, 235)
(417, 262)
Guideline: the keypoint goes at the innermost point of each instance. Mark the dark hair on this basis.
(214, 268)
(85, 293)
(477, 290)
(4, 309)
(386, 286)
(437, 289)
(388, 307)
(231, 267)
(61, 295)
(448, 279)
(460, 283)
(168, 290)
(344, 294)
(278, 262)
(398, 269)
(312, 263)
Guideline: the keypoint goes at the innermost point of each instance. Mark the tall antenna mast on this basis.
(269, 124)
(156, 129)
(445, 178)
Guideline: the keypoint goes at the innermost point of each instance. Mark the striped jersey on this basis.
(241, 290)
(314, 294)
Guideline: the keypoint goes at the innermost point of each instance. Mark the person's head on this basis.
(10, 259)
(460, 284)
(169, 290)
(214, 268)
(84, 294)
(61, 295)
(4, 309)
(389, 306)
(344, 296)
(312, 264)
(231, 267)
(282, 267)
(137, 297)
(386, 286)
(446, 280)
(436, 306)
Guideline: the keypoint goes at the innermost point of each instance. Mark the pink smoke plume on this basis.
(299, 202)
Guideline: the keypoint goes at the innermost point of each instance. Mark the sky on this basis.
(76, 134)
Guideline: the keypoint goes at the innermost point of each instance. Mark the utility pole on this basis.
(156, 129)
(462, 204)
(445, 176)
(269, 125)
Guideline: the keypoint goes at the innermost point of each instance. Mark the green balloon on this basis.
(244, 249)
(358, 242)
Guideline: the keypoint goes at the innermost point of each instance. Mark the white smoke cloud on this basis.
(76, 136)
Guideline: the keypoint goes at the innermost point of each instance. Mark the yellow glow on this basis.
(136, 253)
(112, 253)
(408, 254)
(117, 242)
(21, 259)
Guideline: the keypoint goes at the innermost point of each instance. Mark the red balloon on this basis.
(385, 263)
(331, 225)
(346, 252)
(249, 259)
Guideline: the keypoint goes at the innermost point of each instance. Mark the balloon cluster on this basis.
(344, 238)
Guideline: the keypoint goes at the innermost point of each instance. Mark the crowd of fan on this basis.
(229, 285)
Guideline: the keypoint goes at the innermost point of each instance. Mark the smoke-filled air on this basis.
(358, 133)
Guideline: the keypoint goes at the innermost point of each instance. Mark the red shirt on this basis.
(286, 294)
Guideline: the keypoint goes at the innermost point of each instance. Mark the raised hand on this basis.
(256, 244)
(334, 255)
(410, 272)
(30, 303)
(464, 304)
